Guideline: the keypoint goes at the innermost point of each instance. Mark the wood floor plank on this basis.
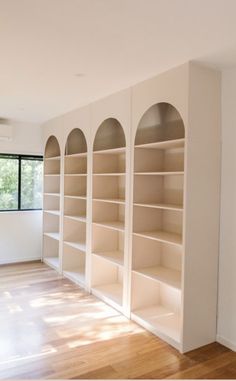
(52, 329)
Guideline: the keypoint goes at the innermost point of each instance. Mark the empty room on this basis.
(117, 189)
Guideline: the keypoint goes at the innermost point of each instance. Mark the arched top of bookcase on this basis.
(160, 122)
(110, 135)
(52, 148)
(76, 142)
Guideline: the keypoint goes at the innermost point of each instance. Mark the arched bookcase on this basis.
(157, 249)
(51, 204)
(75, 210)
(108, 213)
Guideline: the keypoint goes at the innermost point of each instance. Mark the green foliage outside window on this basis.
(31, 183)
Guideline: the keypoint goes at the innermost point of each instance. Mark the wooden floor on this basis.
(50, 328)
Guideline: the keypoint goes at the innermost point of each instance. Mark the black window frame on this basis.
(20, 158)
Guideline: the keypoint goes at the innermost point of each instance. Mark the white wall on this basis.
(21, 232)
(227, 263)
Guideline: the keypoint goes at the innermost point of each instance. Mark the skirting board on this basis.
(19, 260)
(227, 343)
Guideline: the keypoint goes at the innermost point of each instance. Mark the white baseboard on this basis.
(18, 260)
(227, 343)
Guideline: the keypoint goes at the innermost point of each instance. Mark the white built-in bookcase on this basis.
(158, 190)
(51, 203)
(108, 212)
(75, 207)
(138, 220)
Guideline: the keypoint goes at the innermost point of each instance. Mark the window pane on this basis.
(8, 184)
(31, 184)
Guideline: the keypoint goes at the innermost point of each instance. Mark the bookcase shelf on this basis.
(107, 281)
(158, 222)
(75, 208)
(111, 200)
(157, 306)
(162, 274)
(116, 257)
(108, 215)
(53, 235)
(54, 212)
(161, 206)
(51, 205)
(52, 262)
(74, 262)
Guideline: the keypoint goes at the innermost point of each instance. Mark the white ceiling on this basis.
(112, 43)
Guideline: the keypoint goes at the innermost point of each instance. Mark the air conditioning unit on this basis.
(6, 132)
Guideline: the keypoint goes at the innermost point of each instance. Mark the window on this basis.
(20, 182)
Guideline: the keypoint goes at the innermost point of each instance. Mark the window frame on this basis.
(20, 157)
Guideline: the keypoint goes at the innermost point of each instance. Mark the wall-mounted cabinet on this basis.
(135, 215)
(51, 197)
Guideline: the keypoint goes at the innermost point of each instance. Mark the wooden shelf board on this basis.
(75, 197)
(160, 206)
(116, 225)
(52, 158)
(53, 235)
(162, 274)
(109, 174)
(76, 245)
(52, 194)
(116, 257)
(111, 200)
(170, 173)
(161, 321)
(76, 218)
(54, 212)
(76, 275)
(81, 154)
(111, 151)
(75, 174)
(167, 144)
(52, 175)
(161, 236)
(112, 292)
(52, 262)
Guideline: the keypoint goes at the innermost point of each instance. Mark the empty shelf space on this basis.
(167, 144)
(160, 206)
(76, 218)
(53, 235)
(52, 262)
(163, 274)
(55, 212)
(116, 225)
(111, 200)
(161, 321)
(169, 173)
(112, 292)
(116, 257)
(77, 275)
(76, 245)
(111, 151)
(161, 236)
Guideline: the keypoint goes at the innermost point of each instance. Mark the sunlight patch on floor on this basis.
(44, 353)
